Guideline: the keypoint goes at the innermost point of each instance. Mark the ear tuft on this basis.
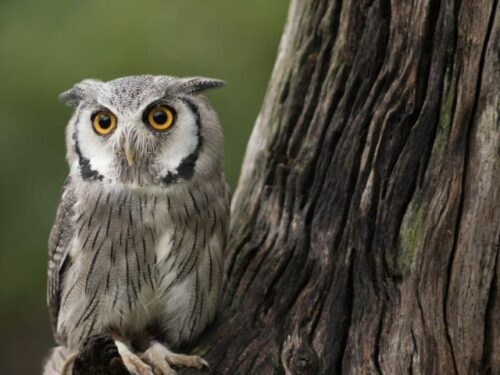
(194, 85)
(71, 97)
(74, 96)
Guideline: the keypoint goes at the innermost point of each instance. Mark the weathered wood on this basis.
(366, 224)
(365, 231)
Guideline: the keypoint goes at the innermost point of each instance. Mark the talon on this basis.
(205, 364)
(67, 367)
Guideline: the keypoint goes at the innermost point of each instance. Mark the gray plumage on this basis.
(138, 247)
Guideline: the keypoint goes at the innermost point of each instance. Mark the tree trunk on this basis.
(365, 227)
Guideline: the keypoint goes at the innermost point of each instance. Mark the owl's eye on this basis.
(103, 122)
(160, 117)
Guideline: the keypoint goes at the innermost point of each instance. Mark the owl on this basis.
(136, 250)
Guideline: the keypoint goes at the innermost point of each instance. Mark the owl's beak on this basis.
(128, 153)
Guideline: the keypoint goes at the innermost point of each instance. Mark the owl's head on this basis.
(143, 130)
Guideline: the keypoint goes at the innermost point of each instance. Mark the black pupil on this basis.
(160, 117)
(104, 121)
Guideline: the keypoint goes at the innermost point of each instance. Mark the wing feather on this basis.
(58, 260)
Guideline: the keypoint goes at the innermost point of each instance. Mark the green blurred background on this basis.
(45, 47)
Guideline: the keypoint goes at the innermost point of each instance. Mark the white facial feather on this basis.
(182, 141)
(98, 150)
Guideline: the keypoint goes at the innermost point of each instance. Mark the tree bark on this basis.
(365, 228)
(365, 232)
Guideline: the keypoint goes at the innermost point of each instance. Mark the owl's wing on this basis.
(58, 260)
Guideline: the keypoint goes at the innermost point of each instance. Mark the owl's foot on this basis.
(132, 362)
(162, 360)
(99, 356)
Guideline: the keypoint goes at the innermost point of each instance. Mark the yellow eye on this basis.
(160, 117)
(103, 122)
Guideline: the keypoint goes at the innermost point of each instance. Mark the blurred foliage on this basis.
(45, 47)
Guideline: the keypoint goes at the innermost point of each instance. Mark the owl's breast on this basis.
(142, 259)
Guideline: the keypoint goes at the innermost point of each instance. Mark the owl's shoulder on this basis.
(62, 223)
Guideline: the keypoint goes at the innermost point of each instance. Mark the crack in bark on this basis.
(488, 349)
(465, 175)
